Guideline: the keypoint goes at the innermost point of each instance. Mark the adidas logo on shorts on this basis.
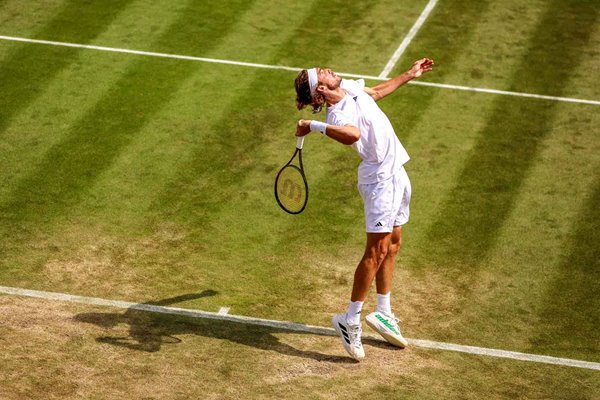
(379, 225)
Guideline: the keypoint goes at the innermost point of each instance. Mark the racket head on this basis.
(291, 189)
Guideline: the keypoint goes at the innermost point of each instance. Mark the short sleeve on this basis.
(353, 87)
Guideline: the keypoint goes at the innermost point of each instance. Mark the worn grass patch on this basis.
(73, 351)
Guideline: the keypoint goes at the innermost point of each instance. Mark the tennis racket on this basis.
(291, 188)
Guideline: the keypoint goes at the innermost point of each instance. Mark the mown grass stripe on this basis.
(289, 326)
(73, 165)
(309, 46)
(526, 259)
(222, 194)
(166, 176)
(450, 29)
(492, 176)
(73, 92)
(573, 292)
(21, 75)
(295, 69)
(104, 130)
(28, 18)
(193, 116)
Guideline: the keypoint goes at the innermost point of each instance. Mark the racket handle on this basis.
(300, 142)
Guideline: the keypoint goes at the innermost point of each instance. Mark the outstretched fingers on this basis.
(421, 66)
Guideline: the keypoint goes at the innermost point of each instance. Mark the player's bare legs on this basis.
(348, 325)
(378, 246)
(383, 278)
(383, 319)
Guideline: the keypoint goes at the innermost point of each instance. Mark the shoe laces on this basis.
(393, 320)
(355, 332)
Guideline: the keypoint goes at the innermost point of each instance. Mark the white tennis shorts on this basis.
(386, 203)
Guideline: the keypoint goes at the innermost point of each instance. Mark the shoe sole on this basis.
(391, 339)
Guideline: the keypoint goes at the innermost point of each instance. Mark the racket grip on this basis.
(300, 142)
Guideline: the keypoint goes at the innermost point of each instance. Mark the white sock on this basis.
(383, 303)
(353, 313)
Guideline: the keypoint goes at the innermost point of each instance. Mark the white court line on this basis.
(292, 326)
(224, 311)
(146, 53)
(506, 93)
(407, 39)
(295, 69)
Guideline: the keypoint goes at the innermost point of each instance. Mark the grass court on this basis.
(150, 180)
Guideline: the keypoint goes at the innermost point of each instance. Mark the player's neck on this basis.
(335, 96)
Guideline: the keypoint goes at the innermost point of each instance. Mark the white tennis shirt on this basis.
(381, 152)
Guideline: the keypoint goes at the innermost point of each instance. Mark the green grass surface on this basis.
(145, 179)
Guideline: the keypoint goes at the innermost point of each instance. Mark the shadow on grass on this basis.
(150, 331)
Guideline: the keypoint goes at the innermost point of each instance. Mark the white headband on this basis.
(313, 81)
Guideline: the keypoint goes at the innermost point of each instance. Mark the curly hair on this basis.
(303, 95)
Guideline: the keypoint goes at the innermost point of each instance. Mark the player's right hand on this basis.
(303, 127)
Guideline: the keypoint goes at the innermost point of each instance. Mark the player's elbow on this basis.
(352, 136)
(377, 95)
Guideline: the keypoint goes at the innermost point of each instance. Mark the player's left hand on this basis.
(420, 67)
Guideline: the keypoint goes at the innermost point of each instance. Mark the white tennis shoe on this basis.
(350, 336)
(387, 326)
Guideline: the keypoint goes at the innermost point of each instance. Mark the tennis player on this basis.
(355, 119)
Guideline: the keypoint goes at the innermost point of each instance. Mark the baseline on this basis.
(292, 326)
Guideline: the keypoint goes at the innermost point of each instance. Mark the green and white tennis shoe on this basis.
(350, 336)
(387, 326)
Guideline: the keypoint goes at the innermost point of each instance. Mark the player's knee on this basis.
(396, 241)
(382, 255)
(395, 247)
(376, 255)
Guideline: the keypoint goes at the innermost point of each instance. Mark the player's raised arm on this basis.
(346, 134)
(382, 89)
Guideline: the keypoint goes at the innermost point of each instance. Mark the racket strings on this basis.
(291, 189)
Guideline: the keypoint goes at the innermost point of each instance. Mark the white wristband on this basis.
(318, 126)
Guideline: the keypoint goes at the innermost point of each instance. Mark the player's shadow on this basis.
(149, 331)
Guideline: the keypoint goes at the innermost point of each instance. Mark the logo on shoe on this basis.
(387, 324)
(344, 333)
